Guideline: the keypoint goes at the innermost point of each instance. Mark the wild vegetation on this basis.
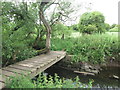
(27, 30)
(44, 81)
(115, 29)
(92, 22)
(20, 32)
(93, 48)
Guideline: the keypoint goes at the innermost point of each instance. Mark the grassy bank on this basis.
(89, 48)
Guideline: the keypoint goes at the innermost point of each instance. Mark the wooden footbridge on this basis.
(31, 67)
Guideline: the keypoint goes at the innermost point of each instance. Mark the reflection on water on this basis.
(103, 79)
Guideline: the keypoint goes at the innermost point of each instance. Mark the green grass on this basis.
(44, 81)
(89, 48)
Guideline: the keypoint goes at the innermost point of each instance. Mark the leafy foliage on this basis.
(115, 29)
(59, 30)
(75, 27)
(112, 26)
(89, 48)
(61, 12)
(90, 29)
(107, 26)
(93, 20)
(20, 30)
(44, 81)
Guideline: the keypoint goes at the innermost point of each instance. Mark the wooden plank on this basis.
(85, 73)
(32, 59)
(8, 73)
(37, 59)
(35, 62)
(1, 79)
(41, 68)
(22, 67)
(30, 64)
(14, 70)
(2, 85)
(0, 71)
(33, 65)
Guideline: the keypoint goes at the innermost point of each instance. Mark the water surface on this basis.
(103, 79)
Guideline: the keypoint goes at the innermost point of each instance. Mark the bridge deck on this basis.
(32, 66)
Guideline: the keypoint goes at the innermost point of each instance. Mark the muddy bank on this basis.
(85, 68)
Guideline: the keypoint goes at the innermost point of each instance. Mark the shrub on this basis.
(89, 48)
(20, 33)
(115, 29)
(90, 29)
(16, 48)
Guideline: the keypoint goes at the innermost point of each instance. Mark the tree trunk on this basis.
(63, 36)
(48, 29)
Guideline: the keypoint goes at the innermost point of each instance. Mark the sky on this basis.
(109, 8)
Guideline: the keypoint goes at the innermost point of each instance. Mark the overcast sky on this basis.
(109, 8)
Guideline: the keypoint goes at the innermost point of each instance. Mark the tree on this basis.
(107, 26)
(60, 30)
(26, 25)
(115, 29)
(63, 10)
(90, 29)
(46, 24)
(75, 27)
(18, 28)
(112, 26)
(92, 19)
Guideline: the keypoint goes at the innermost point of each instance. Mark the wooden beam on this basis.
(32, 66)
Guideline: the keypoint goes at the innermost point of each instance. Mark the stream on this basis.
(103, 79)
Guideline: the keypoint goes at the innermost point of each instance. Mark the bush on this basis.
(90, 29)
(16, 47)
(89, 48)
(18, 32)
(115, 29)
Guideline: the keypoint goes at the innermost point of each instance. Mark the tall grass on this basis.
(92, 48)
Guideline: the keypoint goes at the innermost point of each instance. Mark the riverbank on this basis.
(106, 78)
(84, 67)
